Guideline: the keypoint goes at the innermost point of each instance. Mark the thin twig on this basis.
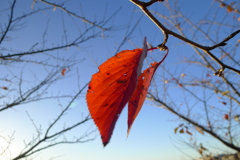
(143, 6)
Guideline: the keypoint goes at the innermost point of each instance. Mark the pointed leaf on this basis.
(237, 118)
(188, 132)
(225, 93)
(5, 88)
(181, 131)
(224, 103)
(199, 130)
(111, 88)
(226, 116)
(139, 95)
(175, 130)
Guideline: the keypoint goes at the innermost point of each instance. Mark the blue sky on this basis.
(151, 134)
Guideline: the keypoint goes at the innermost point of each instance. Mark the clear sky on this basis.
(152, 134)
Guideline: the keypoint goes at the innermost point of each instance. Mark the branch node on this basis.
(219, 72)
(162, 46)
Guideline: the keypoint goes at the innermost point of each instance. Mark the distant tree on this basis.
(210, 99)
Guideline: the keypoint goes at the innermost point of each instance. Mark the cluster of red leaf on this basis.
(119, 81)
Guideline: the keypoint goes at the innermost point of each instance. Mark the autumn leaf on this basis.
(225, 116)
(224, 103)
(5, 88)
(140, 93)
(229, 9)
(199, 130)
(114, 85)
(237, 118)
(175, 130)
(63, 71)
(181, 131)
(111, 88)
(225, 93)
(188, 132)
(183, 75)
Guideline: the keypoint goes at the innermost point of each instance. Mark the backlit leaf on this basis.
(139, 95)
(111, 88)
(119, 81)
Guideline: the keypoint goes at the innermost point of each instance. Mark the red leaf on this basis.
(224, 103)
(5, 88)
(139, 95)
(111, 88)
(225, 116)
(63, 71)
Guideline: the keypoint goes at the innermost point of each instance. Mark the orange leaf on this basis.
(183, 75)
(229, 9)
(199, 130)
(139, 95)
(63, 71)
(111, 88)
